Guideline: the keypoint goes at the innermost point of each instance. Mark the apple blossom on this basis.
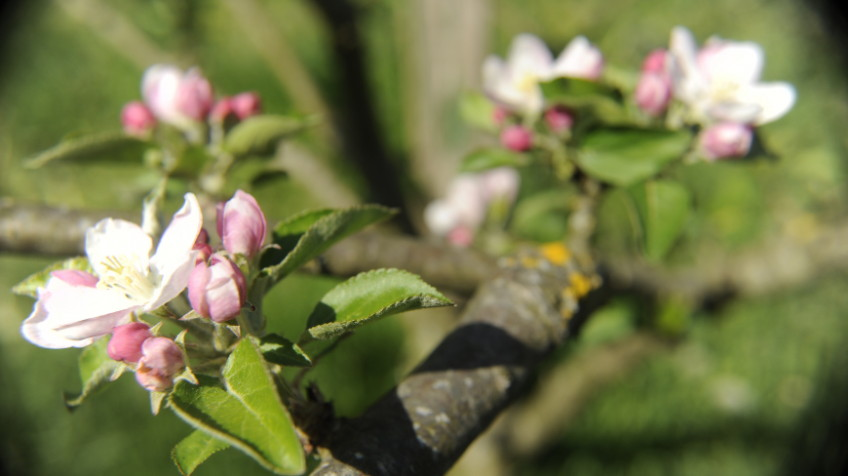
(246, 104)
(721, 81)
(559, 119)
(75, 307)
(217, 290)
(137, 119)
(725, 140)
(161, 360)
(179, 98)
(125, 343)
(241, 224)
(514, 82)
(517, 138)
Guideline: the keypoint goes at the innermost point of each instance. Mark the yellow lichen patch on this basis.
(580, 284)
(529, 262)
(556, 253)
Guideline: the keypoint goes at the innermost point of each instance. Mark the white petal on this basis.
(685, 73)
(35, 331)
(579, 60)
(529, 55)
(117, 238)
(440, 217)
(172, 283)
(731, 62)
(178, 239)
(773, 99)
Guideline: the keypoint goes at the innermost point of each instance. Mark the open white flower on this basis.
(76, 307)
(720, 82)
(515, 82)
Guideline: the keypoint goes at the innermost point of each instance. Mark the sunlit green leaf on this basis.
(279, 350)
(587, 97)
(478, 110)
(627, 156)
(105, 145)
(248, 414)
(259, 135)
(369, 296)
(96, 369)
(29, 286)
(194, 449)
(491, 157)
(663, 208)
(307, 235)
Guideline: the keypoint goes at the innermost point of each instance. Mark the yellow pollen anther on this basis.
(556, 253)
(580, 284)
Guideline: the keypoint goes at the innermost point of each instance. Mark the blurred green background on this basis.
(757, 387)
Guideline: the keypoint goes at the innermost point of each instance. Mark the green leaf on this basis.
(29, 286)
(663, 208)
(369, 296)
(194, 449)
(491, 157)
(601, 101)
(478, 110)
(248, 415)
(305, 236)
(96, 369)
(259, 135)
(101, 145)
(279, 350)
(626, 156)
(543, 216)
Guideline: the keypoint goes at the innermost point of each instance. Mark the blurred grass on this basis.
(740, 396)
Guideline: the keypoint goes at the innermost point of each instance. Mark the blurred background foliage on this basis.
(756, 386)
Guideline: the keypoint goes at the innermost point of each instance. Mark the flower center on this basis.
(527, 82)
(122, 275)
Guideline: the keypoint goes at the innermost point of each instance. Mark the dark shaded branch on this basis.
(426, 423)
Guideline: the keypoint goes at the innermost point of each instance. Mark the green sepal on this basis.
(259, 135)
(246, 413)
(478, 110)
(486, 158)
(194, 449)
(104, 145)
(30, 285)
(96, 370)
(369, 296)
(307, 235)
(624, 156)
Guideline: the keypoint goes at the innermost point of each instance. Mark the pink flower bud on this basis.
(653, 93)
(217, 290)
(137, 119)
(176, 97)
(656, 62)
(201, 245)
(517, 138)
(462, 236)
(725, 140)
(161, 360)
(499, 115)
(126, 341)
(241, 224)
(559, 119)
(246, 105)
(221, 109)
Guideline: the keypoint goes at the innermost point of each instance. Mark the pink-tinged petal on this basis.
(68, 304)
(773, 99)
(247, 104)
(529, 55)
(96, 326)
(580, 59)
(500, 182)
(175, 246)
(75, 277)
(217, 290)
(686, 76)
(160, 88)
(37, 332)
(114, 238)
(725, 140)
(163, 354)
(243, 225)
(198, 281)
(517, 138)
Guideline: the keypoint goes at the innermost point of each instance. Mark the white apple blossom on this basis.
(721, 81)
(175, 97)
(514, 82)
(76, 307)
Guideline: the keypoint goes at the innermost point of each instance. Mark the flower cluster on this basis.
(463, 211)
(719, 89)
(125, 281)
(182, 99)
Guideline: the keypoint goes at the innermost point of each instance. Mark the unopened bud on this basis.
(137, 119)
(725, 140)
(517, 138)
(246, 105)
(176, 97)
(217, 290)
(161, 360)
(559, 119)
(126, 341)
(241, 224)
